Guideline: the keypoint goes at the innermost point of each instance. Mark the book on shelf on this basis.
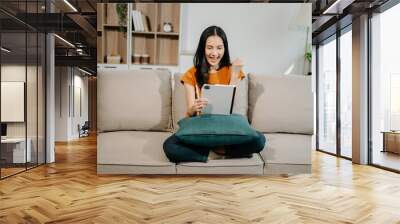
(148, 24)
(134, 26)
(135, 21)
(140, 21)
(141, 28)
(144, 23)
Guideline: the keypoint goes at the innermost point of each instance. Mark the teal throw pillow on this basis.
(215, 130)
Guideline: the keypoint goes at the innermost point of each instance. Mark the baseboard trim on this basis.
(269, 169)
(132, 169)
(274, 168)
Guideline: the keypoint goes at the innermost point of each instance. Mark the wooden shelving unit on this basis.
(112, 36)
(162, 47)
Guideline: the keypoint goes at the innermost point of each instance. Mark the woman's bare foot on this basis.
(214, 156)
(220, 150)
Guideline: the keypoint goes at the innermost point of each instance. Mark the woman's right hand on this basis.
(198, 106)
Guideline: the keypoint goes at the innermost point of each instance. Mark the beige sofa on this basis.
(139, 109)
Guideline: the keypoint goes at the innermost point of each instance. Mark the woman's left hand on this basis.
(237, 65)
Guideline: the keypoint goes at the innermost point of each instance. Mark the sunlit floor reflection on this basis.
(387, 159)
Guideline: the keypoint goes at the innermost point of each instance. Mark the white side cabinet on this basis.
(16, 148)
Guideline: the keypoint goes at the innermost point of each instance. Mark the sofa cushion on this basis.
(133, 100)
(134, 148)
(179, 107)
(252, 165)
(178, 101)
(215, 130)
(135, 169)
(241, 103)
(287, 149)
(281, 103)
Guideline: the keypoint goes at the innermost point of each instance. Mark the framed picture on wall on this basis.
(12, 101)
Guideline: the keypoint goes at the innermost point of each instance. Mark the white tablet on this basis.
(220, 98)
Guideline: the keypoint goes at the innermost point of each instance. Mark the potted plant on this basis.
(308, 57)
(122, 12)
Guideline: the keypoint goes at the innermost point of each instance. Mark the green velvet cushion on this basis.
(215, 130)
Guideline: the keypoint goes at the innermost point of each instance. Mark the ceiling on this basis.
(332, 15)
(76, 24)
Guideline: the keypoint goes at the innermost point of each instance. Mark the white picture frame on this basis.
(12, 101)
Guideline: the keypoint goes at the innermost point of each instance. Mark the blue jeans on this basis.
(177, 151)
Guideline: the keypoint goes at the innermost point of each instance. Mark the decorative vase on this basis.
(114, 59)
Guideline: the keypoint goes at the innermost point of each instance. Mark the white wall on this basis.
(80, 82)
(67, 81)
(12, 73)
(12, 101)
(270, 38)
(314, 90)
(33, 126)
(62, 81)
(15, 73)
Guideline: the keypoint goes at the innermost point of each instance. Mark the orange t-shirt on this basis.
(222, 76)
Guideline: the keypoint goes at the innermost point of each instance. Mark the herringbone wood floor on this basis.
(70, 191)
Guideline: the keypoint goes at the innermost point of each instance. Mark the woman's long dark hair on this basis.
(200, 61)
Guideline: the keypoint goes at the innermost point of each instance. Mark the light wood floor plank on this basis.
(70, 191)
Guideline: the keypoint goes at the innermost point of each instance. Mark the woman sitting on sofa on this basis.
(212, 65)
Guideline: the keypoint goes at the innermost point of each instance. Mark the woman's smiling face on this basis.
(214, 50)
